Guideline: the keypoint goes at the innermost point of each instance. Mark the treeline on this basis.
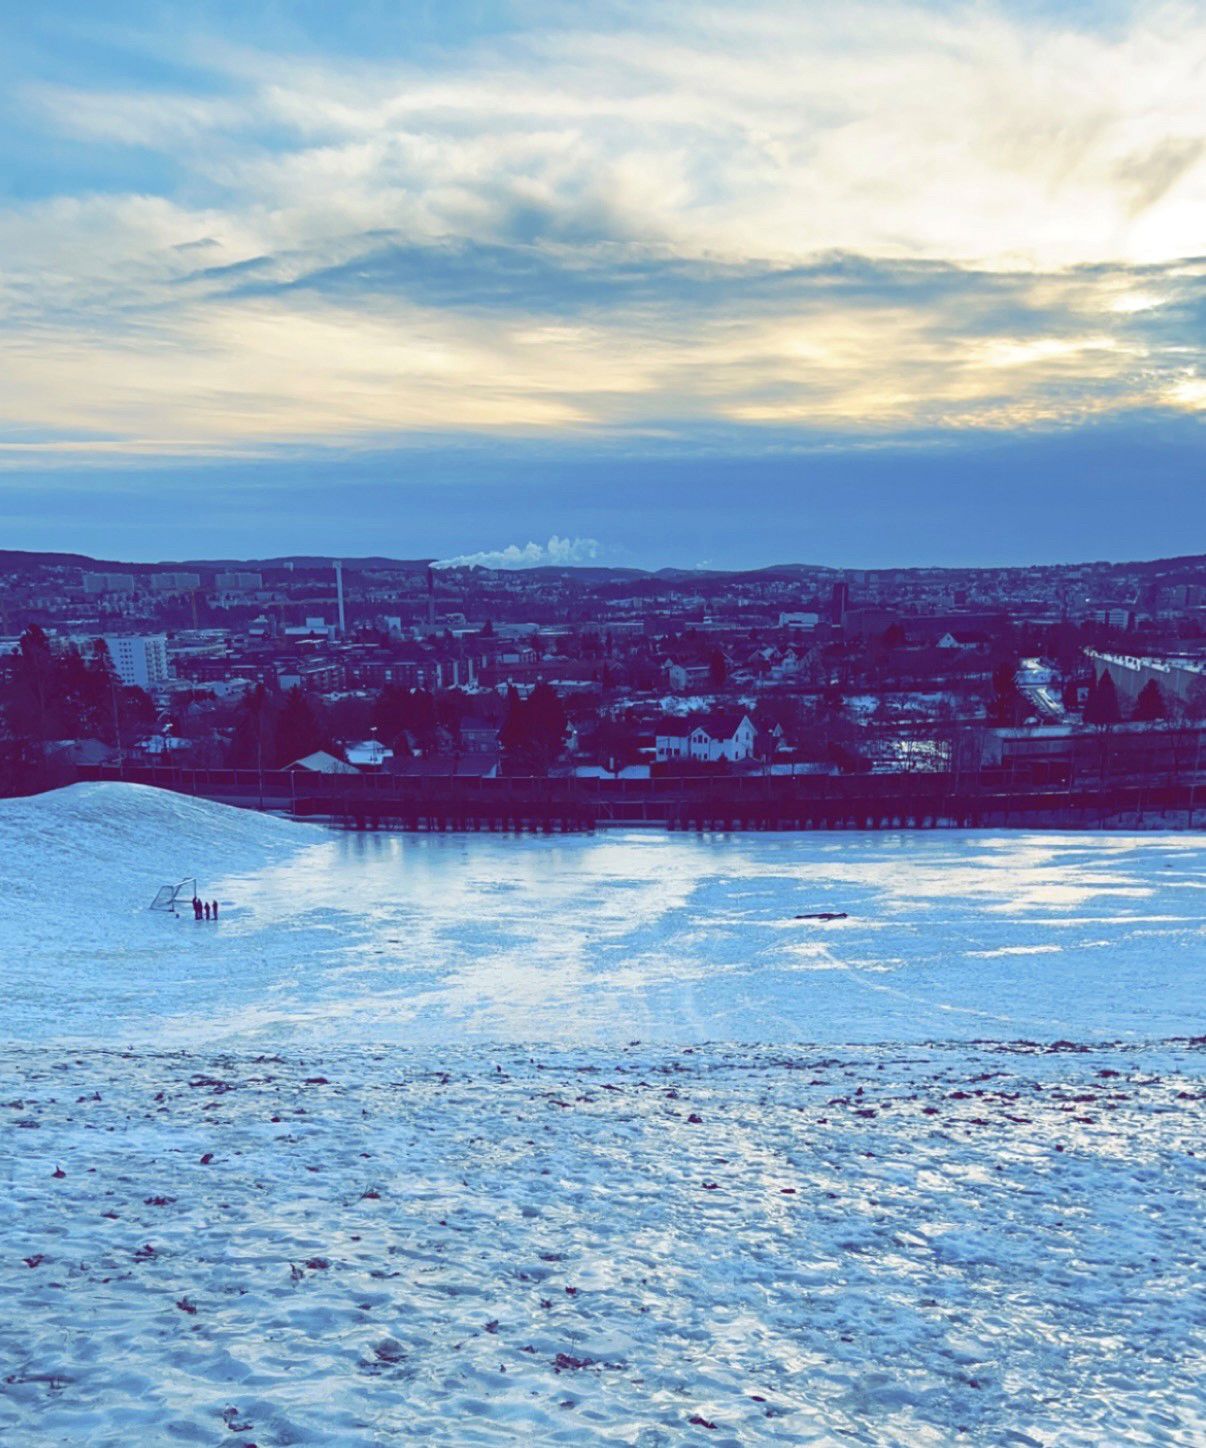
(271, 730)
(49, 695)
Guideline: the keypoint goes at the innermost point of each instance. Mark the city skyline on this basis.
(905, 284)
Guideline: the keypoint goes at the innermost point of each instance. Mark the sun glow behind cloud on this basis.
(883, 217)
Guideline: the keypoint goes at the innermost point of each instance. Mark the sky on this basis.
(687, 283)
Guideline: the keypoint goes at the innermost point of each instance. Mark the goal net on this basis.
(168, 897)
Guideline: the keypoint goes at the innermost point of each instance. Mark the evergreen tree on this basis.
(547, 722)
(533, 731)
(511, 733)
(1101, 706)
(253, 743)
(299, 729)
(1006, 705)
(390, 712)
(1149, 706)
(31, 711)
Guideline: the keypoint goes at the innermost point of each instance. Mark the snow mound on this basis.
(109, 847)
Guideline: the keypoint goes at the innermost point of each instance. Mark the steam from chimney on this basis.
(557, 552)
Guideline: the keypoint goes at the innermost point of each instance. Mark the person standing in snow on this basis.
(206, 908)
(214, 908)
(196, 908)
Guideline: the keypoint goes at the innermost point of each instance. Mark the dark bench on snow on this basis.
(825, 915)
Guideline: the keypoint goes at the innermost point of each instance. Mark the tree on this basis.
(410, 712)
(1102, 711)
(718, 669)
(1149, 706)
(253, 743)
(299, 729)
(533, 731)
(1101, 706)
(30, 712)
(1006, 706)
(510, 733)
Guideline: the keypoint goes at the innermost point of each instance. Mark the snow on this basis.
(581, 1247)
(675, 938)
(471, 1139)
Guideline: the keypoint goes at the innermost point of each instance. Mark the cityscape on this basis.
(1084, 675)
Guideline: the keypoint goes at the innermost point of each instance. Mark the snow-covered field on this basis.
(671, 938)
(485, 1140)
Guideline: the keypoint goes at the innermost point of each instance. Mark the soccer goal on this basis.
(168, 897)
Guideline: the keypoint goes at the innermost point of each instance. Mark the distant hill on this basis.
(16, 560)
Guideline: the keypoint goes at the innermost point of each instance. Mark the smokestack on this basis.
(431, 597)
(339, 596)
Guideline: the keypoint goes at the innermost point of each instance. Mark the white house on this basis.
(320, 762)
(162, 745)
(706, 740)
(368, 754)
(792, 663)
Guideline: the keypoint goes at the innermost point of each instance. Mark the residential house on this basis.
(479, 736)
(368, 754)
(320, 762)
(707, 739)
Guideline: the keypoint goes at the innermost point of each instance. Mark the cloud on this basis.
(556, 553)
(886, 216)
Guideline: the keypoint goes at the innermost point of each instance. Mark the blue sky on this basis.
(869, 284)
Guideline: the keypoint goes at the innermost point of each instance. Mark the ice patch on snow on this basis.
(1014, 950)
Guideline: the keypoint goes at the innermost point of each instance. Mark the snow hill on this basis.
(95, 854)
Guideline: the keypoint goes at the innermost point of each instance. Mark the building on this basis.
(162, 746)
(313, 628)
(479, 736)
(175, 582)
(141, 660)
(98, 583)
(799, 620)
(686, 678)
(1116, 618)
(1071, 752)
(320, 762)
(316, 676)
(1177, 679)
(238, 582)
(368, 754)
(706, 740)
(956, 640)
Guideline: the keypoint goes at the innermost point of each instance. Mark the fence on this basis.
(385, 801)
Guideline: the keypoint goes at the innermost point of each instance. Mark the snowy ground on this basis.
(421, 939)
(424, 1141)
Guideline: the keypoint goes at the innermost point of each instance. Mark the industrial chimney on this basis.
(339, 596)
(431, 612)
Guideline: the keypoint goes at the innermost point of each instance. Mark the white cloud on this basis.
(762, 133)
(557, 552)
(761, 130)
